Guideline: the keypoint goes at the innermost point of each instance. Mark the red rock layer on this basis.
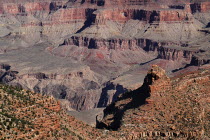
(69, 15)
(135, 44)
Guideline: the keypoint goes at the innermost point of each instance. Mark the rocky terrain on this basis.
(87, 52)
(162, 108)
(28, 115)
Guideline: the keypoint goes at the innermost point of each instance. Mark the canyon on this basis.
(87, 52)
(162, 108)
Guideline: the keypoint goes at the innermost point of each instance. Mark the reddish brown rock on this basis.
(156, 79)
(174, 15)
(72, 14)
(110, 37)
(173, 106)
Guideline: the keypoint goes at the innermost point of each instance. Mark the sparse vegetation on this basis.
(24, 114)
(175, 109)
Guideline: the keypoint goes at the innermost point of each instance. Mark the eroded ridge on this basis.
(162, 107)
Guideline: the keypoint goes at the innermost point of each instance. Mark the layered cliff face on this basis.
(105, 40)
(162, 107)
(80, 89)
(44, 20)
(40, 18)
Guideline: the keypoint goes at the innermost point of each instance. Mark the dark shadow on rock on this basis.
(113, 114)
(101, 2)
(104, 95)
(6, 74)
(119, 90)
(177, 7)
(154, 17)
(208, 25)
(176, 70)
(137, 97)
(90, 18)
(104, 98)
(5, 66)
(57, 91)
(148, 61)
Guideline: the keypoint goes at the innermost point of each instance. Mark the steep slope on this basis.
(28, 115)
(84, 50)
(163, 108)
(176, 108)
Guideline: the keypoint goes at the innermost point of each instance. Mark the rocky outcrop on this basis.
(155, 74)
(24, 6)
(148, 16)
(80, 88)
(162, 107)
(109, 37)
(174, 16)
(6, 74)
(156, 80)
(175, 53)
(104, 44)
(200, 59)
(110, 93)
(164, 52)
(124, 15)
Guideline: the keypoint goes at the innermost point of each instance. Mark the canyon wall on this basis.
(109, 38)
(161, 49)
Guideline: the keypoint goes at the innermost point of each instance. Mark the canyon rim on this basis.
(89, 53)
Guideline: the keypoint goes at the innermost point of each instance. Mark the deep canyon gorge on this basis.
(104, 69)
(87, 52)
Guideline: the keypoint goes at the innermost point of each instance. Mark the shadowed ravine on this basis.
(137, 99)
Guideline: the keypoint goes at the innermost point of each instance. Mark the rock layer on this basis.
(49, 43)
